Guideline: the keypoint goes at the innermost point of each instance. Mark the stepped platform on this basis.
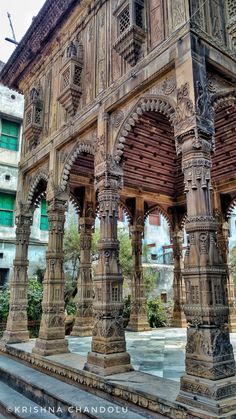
(59, 380)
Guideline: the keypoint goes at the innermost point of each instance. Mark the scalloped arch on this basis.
(81, 147)
(224, 99)
(162, 212)
(149, 103)
(42, 175)
(230, 209)
(126, 211)
(183, 221)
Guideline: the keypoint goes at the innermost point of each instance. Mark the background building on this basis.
(11, 114)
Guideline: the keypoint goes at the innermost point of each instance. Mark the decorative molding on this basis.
(224, 99)
(84, 147)
(87, 380)
(145, 104)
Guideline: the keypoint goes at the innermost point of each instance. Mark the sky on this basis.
(21, 12)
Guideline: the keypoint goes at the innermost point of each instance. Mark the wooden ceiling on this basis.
(224, 158)
(150, 161)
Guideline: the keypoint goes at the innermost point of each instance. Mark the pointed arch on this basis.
(145, 104)
(81, 147)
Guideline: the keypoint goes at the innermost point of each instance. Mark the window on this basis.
(44, 217)
(9, 135)
(4, 273)
(124, 20)
(139, 14)
(6, 209)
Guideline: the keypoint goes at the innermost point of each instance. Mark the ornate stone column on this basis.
(83, 325)
(108, 355)
(223, 243)
(209, 353)
(179, 319)
(51, 338)
(138, 316)
(17, 326)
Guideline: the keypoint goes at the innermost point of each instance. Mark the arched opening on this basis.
(80, 180)
(153, 178)
(149, 157)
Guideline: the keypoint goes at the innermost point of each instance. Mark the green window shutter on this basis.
(44, 217)
(9, 135)
(6, 209)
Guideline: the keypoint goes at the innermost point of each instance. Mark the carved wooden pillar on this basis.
(108, 355)
(179, 319)
(209, 354)
(138, 315)
(223, 243)
(17, 326)
(209, 383)
(51, 338)
(84, 317)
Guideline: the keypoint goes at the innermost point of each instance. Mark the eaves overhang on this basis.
(52, 14)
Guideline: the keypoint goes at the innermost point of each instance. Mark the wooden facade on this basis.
(131, 103)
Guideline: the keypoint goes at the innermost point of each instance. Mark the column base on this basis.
(138, 325)
(179, 320)
(108, 364)
(216, 397)
(50, 347)
(82, 330)
(15, 337)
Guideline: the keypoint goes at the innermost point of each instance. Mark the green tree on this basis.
(35, 296)
(4, 303)
(150, 275)
(156, 313)
(125, 253)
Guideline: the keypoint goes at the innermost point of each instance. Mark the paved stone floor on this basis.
(158, 352)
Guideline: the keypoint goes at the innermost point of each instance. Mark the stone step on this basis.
(64, 400)
(15, 405)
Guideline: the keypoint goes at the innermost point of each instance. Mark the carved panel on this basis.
(217, 21)
(116, 65)
(89, 66)
(177, 11)
(156, 19)
(101, 77)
